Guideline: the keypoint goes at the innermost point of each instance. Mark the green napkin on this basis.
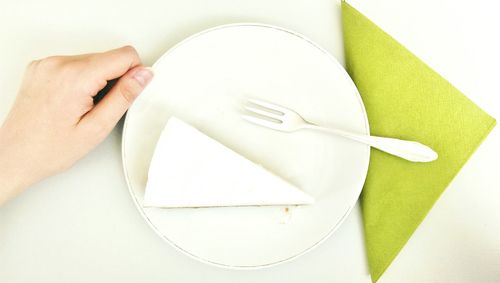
(406, 99)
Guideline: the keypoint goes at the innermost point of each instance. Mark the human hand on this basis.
(54, 122)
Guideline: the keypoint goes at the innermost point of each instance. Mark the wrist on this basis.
(14, 176)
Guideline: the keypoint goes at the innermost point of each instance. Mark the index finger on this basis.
(113, 63)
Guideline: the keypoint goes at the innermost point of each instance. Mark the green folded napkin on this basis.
(406, 99)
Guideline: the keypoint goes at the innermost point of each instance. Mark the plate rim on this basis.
(332, 230)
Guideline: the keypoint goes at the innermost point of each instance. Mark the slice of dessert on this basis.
(190, 169)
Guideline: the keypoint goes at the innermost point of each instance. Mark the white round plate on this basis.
(202, 80)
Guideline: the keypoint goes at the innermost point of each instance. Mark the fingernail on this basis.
(143, 76)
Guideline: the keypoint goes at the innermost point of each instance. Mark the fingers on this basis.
(104, 116)
(113, 63)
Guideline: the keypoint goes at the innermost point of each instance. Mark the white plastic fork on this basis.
(280, 118)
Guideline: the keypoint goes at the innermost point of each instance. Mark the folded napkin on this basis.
(406, 99)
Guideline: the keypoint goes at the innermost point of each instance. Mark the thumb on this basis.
(111, 108)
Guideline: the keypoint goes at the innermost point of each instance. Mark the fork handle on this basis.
(409, 150)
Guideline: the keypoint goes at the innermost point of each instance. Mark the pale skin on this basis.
(54, 122)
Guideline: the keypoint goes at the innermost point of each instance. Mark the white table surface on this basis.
(81, 226)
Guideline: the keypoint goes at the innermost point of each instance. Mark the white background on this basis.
(81, 226)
